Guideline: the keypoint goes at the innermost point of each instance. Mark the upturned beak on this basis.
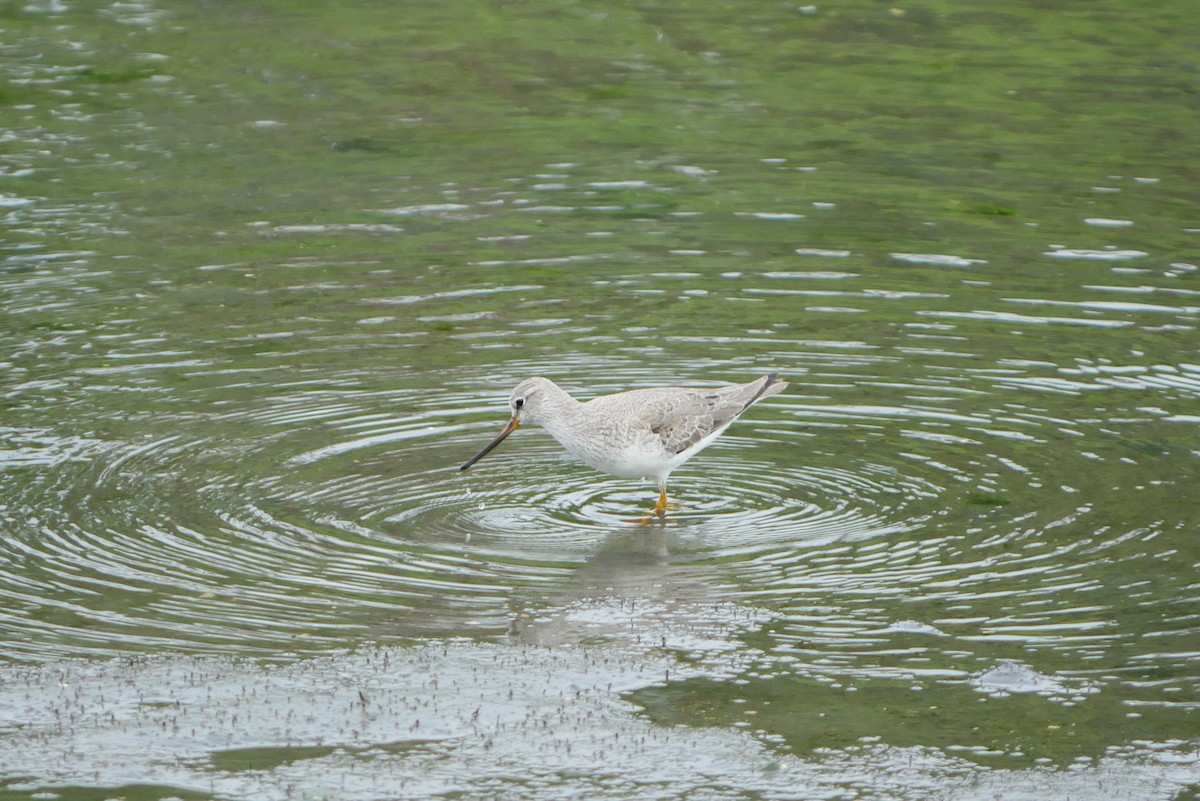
(512, 426)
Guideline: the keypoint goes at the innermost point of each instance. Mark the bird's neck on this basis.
(559, 411)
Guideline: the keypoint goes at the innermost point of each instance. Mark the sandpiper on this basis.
(642, 433)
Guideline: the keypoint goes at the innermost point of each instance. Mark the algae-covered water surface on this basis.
(269, 270)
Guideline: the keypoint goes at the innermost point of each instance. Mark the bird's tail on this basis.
(770, 386)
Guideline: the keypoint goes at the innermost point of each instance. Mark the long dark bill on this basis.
(512, 426)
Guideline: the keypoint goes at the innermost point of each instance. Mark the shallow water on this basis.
(268, 274)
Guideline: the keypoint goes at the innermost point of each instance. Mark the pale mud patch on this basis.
(505, 720)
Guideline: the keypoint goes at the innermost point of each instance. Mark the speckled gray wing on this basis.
(683, 417)
(687, 416)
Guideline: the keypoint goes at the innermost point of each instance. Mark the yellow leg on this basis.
(660, 509)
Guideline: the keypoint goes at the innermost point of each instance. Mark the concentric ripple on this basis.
(358, 524)
(315, 516)
(536, 492)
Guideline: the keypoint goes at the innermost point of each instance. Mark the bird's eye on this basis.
(518, 402)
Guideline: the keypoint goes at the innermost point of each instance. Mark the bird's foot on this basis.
(660, 509)
(660, 513)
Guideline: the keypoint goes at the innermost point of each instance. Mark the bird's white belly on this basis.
(642, 458)
(628, 462)
(647, 460)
